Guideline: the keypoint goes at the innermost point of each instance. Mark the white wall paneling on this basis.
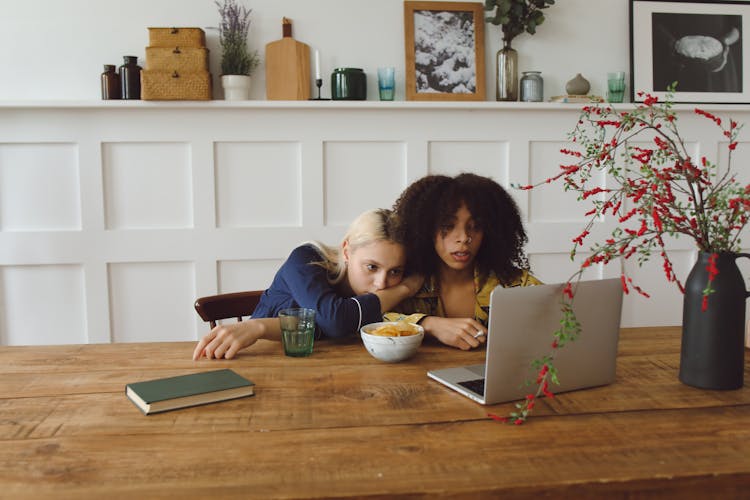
(353, 168)
(235, 275)
(30, 172)
(488, 158)
(42, 304)
(258, 184)
(147, 185)
(148, 301)
(115, 216)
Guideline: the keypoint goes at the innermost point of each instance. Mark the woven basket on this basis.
(180, 59)
(174, 86)
(176, 37)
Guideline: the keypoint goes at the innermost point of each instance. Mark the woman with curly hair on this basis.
(465, 234)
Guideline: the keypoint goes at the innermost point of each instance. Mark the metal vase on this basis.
(506, 70)
(712, 355)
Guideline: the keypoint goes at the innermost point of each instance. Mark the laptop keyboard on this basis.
(476, 386)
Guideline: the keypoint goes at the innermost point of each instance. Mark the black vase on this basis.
(713, 354)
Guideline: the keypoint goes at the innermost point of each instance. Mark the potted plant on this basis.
(515, 17)
(237, 62)
(656, 190)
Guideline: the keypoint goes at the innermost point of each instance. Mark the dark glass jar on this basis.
(110, 83)
(348, 84)
(130, 78)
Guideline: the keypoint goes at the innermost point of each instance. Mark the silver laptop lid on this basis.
(521, 326)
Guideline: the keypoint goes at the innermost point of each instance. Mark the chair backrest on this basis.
(227, 305)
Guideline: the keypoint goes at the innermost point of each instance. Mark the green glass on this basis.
(616, 86)
(297, 331)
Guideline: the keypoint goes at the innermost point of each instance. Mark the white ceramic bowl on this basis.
(391, 349)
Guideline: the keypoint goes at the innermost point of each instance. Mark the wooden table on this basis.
(342, 424)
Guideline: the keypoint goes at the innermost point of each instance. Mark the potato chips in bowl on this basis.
(392, 341)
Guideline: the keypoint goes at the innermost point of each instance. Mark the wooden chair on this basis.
(227, 305)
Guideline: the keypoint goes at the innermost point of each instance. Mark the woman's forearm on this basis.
(391, 297)
(270, 328)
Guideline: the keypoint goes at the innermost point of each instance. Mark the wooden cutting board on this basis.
(287, 67)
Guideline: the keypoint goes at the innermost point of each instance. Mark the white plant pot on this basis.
(236, 87)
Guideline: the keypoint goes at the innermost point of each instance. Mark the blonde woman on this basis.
(348, 286)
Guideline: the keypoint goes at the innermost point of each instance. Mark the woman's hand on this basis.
(463, 333)
(225, 341)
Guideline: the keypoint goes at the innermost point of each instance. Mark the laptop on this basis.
(521, 323)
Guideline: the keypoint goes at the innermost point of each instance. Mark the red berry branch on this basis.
(654, 189)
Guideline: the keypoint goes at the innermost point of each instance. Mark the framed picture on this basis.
(700, 45)
(444, 51)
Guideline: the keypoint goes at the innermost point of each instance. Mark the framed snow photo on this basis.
(444, 44)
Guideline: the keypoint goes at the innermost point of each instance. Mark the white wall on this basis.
(55, 49)
(114, 216)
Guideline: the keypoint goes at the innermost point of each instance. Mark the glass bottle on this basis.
(507, 73)
(532, 86)
(130, 78)
(110, 83)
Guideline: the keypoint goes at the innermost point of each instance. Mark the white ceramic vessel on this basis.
(236, 87)
(391, 349)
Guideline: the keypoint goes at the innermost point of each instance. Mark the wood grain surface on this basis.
(287, 70)
(342, 424)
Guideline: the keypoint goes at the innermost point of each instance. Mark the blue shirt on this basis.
(300, 283)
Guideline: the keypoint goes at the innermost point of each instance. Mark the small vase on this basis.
(506, 73)
(236, 87)
(578, 85)
(712, 355)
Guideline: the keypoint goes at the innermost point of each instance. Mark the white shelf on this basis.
(333, 105)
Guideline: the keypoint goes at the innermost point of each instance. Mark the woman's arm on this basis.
(391, 297)
(225, 341)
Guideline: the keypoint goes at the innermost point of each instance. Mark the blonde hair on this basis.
(371, 226)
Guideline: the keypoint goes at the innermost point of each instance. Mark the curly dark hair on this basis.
(432, 201)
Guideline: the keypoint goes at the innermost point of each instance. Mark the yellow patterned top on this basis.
(427, 301)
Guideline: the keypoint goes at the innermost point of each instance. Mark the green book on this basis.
(164, 394)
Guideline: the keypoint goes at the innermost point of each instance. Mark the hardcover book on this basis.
(164, 394)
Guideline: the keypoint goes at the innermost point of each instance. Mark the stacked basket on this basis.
(176, 65)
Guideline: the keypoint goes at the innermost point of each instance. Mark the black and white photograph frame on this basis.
(444, 45)
(703, 46)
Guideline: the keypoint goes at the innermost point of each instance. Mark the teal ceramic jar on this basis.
(348, 84)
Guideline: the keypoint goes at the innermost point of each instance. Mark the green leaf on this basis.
(503, 6)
